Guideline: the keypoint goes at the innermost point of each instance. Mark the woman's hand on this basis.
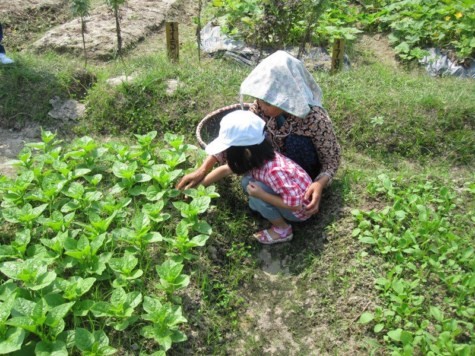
(314, 195)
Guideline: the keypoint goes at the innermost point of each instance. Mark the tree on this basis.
(115, 5)
(81, 8)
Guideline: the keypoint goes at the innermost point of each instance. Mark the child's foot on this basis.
(4, 59)
(274, 235)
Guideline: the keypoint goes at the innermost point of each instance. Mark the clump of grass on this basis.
(144, 104)
(386, 113)
(27, 86)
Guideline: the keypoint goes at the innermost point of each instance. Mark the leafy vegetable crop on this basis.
(415, 25)
(86, 227)
(424, 243)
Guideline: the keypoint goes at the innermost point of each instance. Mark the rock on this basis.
(66, 110)
(121, 79)
(172, 86)
(33, 131)
(213, 252)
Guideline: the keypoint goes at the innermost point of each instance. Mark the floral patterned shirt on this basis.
(317, 126)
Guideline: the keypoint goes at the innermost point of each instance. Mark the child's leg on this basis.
(267, 210)
(280, 230)
(276, 216)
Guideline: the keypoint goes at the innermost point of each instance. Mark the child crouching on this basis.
(276, 185)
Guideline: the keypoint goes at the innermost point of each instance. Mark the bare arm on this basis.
(216, 175)
(192, 179)
(255, 190)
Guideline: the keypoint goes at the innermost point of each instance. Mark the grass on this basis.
(396, 122)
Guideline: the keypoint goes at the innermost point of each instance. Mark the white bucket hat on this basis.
(238, 128)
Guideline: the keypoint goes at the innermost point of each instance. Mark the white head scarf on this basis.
(282, 80)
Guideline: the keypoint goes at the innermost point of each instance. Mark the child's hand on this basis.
(254, 190)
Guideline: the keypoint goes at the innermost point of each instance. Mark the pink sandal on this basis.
(284, 234)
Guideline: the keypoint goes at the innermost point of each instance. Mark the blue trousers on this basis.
(268, 211)
(2, 49)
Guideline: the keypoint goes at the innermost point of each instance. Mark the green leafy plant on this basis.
(95, 343)
(414, 25)
(421, 244)
(277, 24)
(86, 216)
(120, 309)
(165, 319)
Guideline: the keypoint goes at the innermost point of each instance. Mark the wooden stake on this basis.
(338, 55)
(173, 43)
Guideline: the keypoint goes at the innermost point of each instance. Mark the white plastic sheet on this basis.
(438, 64)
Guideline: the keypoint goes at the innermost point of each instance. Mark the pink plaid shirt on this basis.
(287, 179)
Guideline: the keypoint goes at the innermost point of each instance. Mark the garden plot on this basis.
(138, 19)
(22, 6)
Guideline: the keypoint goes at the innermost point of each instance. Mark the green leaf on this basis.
(154, 193)
(398, 286)
(378, 328)
(55, 348)
(24, 306)
(124, 170)
(366, 317)
(125, 323)
(11, 340)
(101, 309)
(58, 313)
(202, 227)
(23, 322)
(83, 339)
(141, 178)
(201, 203)
(153, 237)
(406, 338)
(44, 280)
(82, 307)
(47, 136)
(75, 190)
(6, 307)
(118, 297)
(200, 240)
(367, 240)
(182, 228)
(400, 214)
(124, 264)
(395, 334)
(437, 313)
(80, 172)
